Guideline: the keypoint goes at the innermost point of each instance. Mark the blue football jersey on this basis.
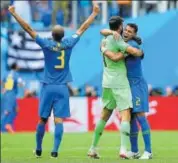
(56, 69)
(133, 64)
(11, 81)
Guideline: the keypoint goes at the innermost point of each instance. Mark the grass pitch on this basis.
(18, 148)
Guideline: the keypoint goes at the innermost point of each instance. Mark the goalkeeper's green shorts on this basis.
(113, 98)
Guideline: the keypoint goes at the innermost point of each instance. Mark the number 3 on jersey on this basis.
(61, 58)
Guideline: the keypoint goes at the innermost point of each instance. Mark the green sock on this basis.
(125, 134)
(98, 132)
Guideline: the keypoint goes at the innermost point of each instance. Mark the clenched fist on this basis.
(11, 9)
(96, 8)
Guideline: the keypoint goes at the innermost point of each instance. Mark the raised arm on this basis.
(90, 19)
(23, 24)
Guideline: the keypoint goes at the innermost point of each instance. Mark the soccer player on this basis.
(116, 89)
(10, 83)
(54, 92)
(139, 91)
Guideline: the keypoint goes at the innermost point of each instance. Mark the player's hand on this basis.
(96, 8)
(103, 47)
(6, 112)
(3, 90)
(17, 110)
(11, 9)
(116, 35)
(137, 39)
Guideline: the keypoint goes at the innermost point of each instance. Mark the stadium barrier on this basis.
(85, 113)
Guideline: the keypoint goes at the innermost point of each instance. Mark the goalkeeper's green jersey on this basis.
(115, 73)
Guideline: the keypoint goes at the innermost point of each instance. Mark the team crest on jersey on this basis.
(138, 101)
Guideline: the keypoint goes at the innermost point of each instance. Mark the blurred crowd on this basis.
(51, 12)
(85, 91)
(91, 91)
(158, 91)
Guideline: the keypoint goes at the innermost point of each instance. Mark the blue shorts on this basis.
(54, 97)
(8, 119)
(139, 90)
(9, 102)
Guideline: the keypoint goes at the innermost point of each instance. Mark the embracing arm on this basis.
(107, 32)
(111, 55)
(23, 24)
(134, 51)
(114, 56)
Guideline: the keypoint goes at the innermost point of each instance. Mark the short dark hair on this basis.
(58, 36)
(115, 22)
(13, 66)
(134, 26)
(58, 33)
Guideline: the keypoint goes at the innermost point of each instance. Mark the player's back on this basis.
(56, 69)
(133, 64)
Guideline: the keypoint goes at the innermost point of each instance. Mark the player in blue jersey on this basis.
(139, 91)
(54, 92)
(10, 83)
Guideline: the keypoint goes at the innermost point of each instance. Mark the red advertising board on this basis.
(27, 117)
(163, 114)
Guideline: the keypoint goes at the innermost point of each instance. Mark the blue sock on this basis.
(134, 135)
(57, 136)
(145, 132)
(39, 136)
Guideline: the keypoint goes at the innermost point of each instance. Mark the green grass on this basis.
(18, 148)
